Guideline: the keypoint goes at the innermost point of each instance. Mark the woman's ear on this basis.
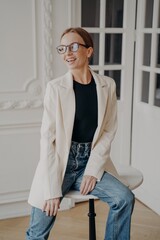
(89, 52)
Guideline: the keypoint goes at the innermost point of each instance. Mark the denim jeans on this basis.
(109, 190)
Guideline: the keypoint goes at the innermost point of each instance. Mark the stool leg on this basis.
(91, 215)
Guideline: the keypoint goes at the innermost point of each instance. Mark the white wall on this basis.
(28, 60)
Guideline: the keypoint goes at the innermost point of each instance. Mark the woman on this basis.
(79, 123)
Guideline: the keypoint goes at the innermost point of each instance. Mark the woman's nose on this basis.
(68, 50)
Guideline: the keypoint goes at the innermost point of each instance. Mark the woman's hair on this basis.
(83, 33)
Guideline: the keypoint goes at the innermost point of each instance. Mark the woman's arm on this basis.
(48, 159)
(101, 151)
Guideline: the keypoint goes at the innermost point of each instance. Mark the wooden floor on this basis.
(73, 224)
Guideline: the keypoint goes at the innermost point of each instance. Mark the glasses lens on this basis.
(74, 47)
(61, 49)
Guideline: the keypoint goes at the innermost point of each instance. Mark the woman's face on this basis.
(78, 59)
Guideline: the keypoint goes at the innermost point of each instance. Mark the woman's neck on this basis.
(83, 77)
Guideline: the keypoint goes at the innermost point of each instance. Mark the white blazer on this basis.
(56, 134)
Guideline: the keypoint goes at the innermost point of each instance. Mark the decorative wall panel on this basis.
(25, 67)
(20, 85)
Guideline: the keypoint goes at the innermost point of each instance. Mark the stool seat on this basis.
(77, 195)
(132, 176)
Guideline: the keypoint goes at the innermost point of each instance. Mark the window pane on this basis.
(114, 13)
(158, 51)
(90, 13)
(159, 16)
(113, 48)
(145, 87)
(149, 14)
(147, 49)
(95, 59)
(157, 92)
(116, 75)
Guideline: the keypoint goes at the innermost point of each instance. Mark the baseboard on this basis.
(22, 208)
(14, 209)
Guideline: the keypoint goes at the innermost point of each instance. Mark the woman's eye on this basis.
(61, 49)
(74, 47)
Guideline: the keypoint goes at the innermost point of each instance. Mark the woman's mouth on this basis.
(70, 60)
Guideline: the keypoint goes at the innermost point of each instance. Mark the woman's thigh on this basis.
(109, 189)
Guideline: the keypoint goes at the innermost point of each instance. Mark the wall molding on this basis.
(47, 11)
(74, 16)
(15, 204)
(22, 104)
(12, 210)
(17, 126)
(22, 208)
(16, 196)
(31, 88)
(34, 76)
(30, 96)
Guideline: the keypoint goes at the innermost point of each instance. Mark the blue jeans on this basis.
(109, 190)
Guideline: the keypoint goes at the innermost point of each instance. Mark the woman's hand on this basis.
(87, 185)
(51, 206)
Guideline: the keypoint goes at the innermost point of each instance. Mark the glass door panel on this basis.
(158, 52)
(157, 91)
(148, 13)
(114, 14)
(90, 13)
(145, 87)
(116, 75)
(147, 49)
(113, 48)
(95, 58)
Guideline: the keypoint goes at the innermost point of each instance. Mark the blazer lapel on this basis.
(102, 96)
(67, 99)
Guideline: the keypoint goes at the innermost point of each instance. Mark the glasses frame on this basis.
(69, 46)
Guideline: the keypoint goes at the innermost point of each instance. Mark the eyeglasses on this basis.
(73, 47)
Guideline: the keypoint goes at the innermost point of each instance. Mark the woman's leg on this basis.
(121, 202)
(40, 225)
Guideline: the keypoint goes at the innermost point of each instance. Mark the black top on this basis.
(86, 115)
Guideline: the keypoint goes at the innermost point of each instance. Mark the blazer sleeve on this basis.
(100, 153)
(48, 159)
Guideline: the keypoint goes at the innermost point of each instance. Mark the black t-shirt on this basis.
(86, 115)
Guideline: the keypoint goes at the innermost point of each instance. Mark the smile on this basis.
(70, 60)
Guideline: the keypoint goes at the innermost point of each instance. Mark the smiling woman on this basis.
(77, 48)
(79, 123)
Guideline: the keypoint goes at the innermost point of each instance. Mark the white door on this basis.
(112, 25)
(146, 106)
